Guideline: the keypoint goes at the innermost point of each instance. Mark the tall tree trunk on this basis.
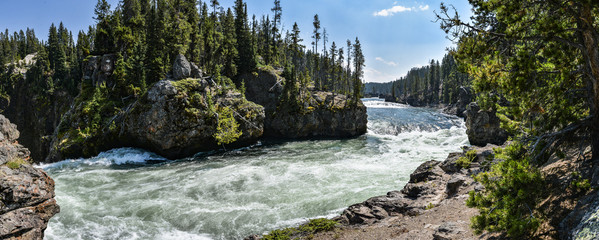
(591, 45)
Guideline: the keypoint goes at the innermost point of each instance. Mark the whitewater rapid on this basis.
(134, 194)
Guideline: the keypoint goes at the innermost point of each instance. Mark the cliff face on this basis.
(26, 193)
(322, 114)
(36, 112)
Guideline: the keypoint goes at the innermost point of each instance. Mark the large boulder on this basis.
(26, 193)
(322, 114)
(325, 114)
(174, 118)
(264, 88)
(483, 127)
(459, 108)
(178, 119)
(181, 68)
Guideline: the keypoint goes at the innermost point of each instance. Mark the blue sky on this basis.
(395, 35)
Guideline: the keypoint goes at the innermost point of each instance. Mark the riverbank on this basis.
(432, 205)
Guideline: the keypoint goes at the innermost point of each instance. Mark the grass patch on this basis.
(16, 163)
(308, 229)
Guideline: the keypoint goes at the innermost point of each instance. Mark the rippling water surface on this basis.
(134, 194)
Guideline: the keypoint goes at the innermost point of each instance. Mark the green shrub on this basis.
(512, 189)
(279, 234)
(308, 229)
(579, 184)
(465, 162)
(227, 130)
(430, 206)
(318, 225)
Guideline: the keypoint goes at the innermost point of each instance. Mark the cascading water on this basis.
(134, 194)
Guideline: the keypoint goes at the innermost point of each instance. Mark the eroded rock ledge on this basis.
(26, 193)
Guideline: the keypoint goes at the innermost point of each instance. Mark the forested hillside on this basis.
(147, 35)
(138, 42)
(436, 83)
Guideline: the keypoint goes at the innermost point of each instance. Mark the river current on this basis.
(134, 194)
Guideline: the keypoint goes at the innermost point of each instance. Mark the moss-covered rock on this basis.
(174, 118)
(180, 118)
(322, 114)
(316, 114)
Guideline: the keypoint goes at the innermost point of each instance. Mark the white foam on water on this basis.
(252, 190)
(382, 104)
(117, 156)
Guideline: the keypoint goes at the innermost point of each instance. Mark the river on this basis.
(133, 194)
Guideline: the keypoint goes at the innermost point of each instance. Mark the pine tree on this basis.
(104, 37)
(246, 60)
(277, 12)
(316, 37)
(154, 51)
(230, 52)
(359, 64)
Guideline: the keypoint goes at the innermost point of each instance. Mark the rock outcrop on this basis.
(178, 119)
(98, 69)
(174, 119)
(459, 108)
(322, 114)
(181, 68)
(26, 193)
(483, 127)
(426, 208)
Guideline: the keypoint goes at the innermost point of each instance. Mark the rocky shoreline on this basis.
(425, 208)
(26, 193)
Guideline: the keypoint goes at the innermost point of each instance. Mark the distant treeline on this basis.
(433, 84)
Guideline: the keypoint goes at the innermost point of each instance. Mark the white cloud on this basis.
(390, 63)
(391, 11)
(398, 9)
(373, 75)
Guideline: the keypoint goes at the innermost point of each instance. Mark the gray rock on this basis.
(26, 193)
(161, 90)
(453, 185)
(175, 120)
(483, 127)
(98, 69)
(449, 165)
(424, 172)
(326, 114)
(447, 231)
(196, 72)
(181, 68)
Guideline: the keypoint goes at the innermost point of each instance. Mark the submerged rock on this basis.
(26, 193)
(483, 127)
